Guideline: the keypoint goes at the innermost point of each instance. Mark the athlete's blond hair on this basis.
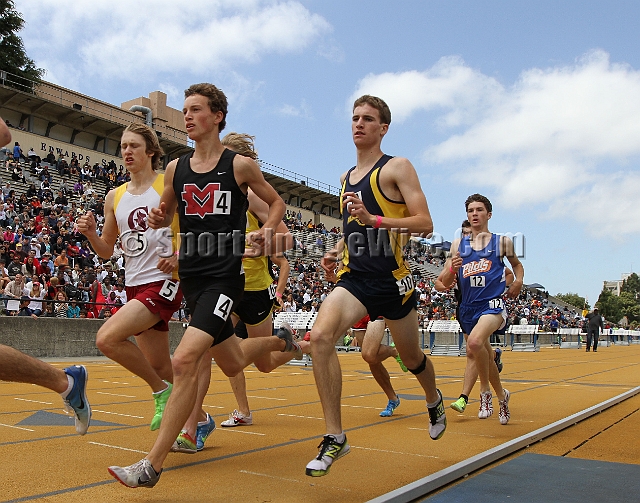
(241, 143)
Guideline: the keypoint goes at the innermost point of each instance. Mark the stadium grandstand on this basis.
(68, 159)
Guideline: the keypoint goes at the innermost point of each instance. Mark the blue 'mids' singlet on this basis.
(482, 276)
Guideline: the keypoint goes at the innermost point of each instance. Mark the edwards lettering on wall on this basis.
(42, 148)
(64, 151)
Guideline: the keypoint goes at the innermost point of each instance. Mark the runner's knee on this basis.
(421, 367)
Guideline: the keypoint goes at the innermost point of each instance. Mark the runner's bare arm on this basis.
(102, 245)
(248, 175)
(507, 250)
(283, 239)
(163, 215)
(450, 270)
(5, 134)
(401, 174)
(285, 269)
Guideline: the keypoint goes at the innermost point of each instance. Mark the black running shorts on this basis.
(211, 301)
(387, 297)
(255, 307)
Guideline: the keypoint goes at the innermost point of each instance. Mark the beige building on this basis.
(51, 118)
(616, 285)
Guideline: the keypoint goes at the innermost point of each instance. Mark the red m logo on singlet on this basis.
(199, 201)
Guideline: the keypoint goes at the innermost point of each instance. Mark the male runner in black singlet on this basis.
(208, 188)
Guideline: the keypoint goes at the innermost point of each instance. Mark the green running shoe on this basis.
(399, 360)
(185, 443)
(161, 402)
(459, 405)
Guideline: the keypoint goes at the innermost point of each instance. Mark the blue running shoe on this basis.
(76, 400)
(391, 406)
(203, 431)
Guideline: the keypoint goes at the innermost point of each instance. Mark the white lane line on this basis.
(235, 430)
(118, 447)
(287, 479)
(470, 434)
(458, 432)
(116, 382)
(114, 394)
(116, 414)
(394, 452)
(302, 417)
(16, 427)
(214, 406)
(361, 407)
(266, 398)
(33, 401)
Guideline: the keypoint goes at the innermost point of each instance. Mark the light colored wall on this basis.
(61, 338)
(42, 145)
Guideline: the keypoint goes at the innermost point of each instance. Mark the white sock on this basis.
(432, 405)
(71, 380)
(162, 390)
(339, 438)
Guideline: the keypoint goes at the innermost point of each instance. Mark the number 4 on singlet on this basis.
(223, 307)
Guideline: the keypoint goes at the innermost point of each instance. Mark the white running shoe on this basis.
(504, 413)
(237, 418)
(486, 405)
(140, 474)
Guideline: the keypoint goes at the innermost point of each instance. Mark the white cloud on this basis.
(449, 86)
(136, 40)
(563, 140)
(303, 110)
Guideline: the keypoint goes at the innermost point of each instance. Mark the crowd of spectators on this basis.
(48, 269)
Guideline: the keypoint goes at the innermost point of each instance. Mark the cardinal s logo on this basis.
(138, 219)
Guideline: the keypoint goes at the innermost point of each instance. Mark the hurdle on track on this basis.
(302, 323)
(529, 332)
(445, 338)
(569, 338)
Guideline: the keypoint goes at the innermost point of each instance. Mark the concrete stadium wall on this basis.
(61, 338)
(42, 145)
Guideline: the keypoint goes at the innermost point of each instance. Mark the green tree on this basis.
(13, 58)
(610, 306)
(629, 306)
(574, 299)
(632, 285)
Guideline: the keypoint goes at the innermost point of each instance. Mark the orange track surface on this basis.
(265, 461)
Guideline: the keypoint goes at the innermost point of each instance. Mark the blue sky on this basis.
(534, 104)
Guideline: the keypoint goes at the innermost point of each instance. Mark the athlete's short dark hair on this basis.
(466, 223)
(217, 99)
(378, 104)
(478, 198)
(151, 141)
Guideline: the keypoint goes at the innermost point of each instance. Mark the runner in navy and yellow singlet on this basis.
(478, 261)
(153, 291)
(208, 190)
(382, 203)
